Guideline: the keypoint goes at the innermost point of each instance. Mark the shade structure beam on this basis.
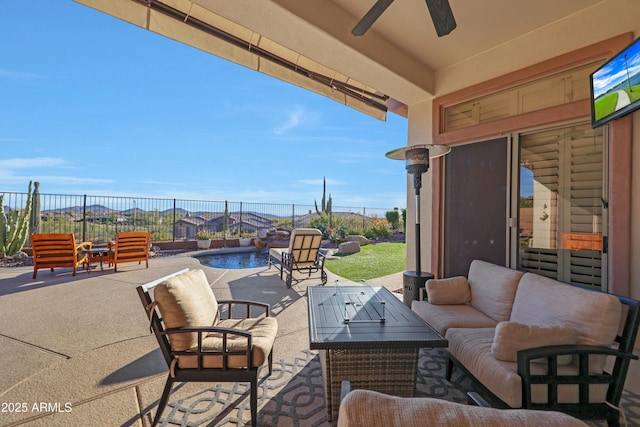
(376, 100)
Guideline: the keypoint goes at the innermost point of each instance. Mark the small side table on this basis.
(98, 252)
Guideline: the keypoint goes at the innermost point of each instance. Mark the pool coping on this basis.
(229, 250)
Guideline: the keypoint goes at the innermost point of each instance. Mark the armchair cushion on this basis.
(263, 333)
(186, 300)
(511, 337)
(363, 408)
(454, 290)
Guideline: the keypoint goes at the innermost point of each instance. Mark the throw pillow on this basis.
(511, 337)
(454, 290)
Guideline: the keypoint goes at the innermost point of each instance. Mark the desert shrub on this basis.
(394, 218)
(159, 236)
(404, 220)
(321, 222)
(282, 222)
(341, 226)
(336, 234)
(377, 228)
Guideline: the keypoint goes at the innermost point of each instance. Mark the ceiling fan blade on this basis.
(372, 15)
(442, 16)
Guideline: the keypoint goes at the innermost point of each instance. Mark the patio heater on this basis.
(417, 162)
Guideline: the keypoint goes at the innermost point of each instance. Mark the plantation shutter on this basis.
(584, 242)
(561, 225)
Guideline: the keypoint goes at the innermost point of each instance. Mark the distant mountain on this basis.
(179, 211)
(95, 209)
(132, 211)
(105, 211)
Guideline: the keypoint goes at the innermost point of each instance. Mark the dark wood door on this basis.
(475, 205)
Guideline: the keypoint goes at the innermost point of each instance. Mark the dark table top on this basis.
(98, 249)
(401, 328)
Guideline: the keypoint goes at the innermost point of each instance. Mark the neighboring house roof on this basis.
(192, 220)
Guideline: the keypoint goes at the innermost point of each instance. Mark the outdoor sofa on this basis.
(533, 342)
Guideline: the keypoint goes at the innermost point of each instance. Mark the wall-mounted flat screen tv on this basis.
(615, 86)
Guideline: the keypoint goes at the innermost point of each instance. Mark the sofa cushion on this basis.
(472, 348)
(493, 289)
(511, 337)
(454, 290)
(595, 315)
(263, 333)
(186, 300)
(443, 317)
(364, 408)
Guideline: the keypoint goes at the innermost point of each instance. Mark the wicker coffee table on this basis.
(367, 336)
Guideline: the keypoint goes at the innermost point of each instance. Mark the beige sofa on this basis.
(500, 324)
(364, 408)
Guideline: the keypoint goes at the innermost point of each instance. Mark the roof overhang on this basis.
(188, 22)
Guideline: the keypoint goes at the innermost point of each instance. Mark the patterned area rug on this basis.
(294, 395)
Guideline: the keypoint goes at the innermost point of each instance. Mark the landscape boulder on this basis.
(357, 238)
(349, 247)
(272, 238)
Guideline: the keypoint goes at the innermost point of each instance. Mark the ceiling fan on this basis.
(440, 11)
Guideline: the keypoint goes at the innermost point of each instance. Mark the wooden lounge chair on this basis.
(58, 250)
(130, 246)
(201, 344)
(303, 255)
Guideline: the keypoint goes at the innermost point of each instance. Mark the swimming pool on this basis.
(233, 260)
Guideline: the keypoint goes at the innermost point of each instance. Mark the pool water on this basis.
(233, 260)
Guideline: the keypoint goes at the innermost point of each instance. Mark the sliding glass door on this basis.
(560, 206)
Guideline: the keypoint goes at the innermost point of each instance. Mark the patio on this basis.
(79, 348)
(77, 351)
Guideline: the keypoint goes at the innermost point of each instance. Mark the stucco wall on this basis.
(558, 38)
(635, 209)
(634, 372)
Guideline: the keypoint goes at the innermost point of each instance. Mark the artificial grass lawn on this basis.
(606, 104)
(372, 261)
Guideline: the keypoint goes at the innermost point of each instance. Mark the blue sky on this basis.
(619, 69)
(93, 105)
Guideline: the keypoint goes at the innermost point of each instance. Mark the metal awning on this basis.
(194, 25)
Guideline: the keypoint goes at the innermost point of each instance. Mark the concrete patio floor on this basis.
(76, 351)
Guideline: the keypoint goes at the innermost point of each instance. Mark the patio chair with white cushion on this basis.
(302, 255)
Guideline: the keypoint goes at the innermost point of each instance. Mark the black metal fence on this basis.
(99, 218)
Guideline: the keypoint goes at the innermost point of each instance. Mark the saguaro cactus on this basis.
(34, 218)
(14, 228)
(326, 204)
